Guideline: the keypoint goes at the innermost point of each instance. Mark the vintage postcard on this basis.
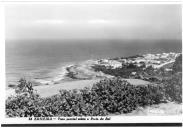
(91, 64)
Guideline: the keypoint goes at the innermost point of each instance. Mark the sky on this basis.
(93, 21)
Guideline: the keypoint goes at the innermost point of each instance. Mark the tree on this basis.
(177, 66)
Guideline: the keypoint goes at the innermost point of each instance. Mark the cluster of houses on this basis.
(110, 63)
(154, 60)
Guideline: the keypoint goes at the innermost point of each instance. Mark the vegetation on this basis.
(148, 73)
(129, 57)
(173, 87)
(108, 96)
(123, 72)
(25, 101)
(177, 66)
(105, 97)
(120, 96)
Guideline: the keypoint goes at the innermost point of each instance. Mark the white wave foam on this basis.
(57, 75)
(62, 73)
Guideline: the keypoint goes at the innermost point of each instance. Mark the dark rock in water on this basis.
(57, 82)
(12, 85)
(35, 83)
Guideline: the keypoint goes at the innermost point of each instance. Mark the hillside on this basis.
(151, 67)
(131, 89)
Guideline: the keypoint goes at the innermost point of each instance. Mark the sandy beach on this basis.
(49, 90)
(52, 89)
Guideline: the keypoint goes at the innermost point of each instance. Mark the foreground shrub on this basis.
(177, 66)
(25, 103)
(22, 106)
(74, 103)
(173, 87)
(109, 96)
(118, 95)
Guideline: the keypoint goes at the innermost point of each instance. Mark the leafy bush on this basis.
(24, 86)
(25, 103)
(173, 83)
(22, 105)
(118, 95)
(173, 87)
(105, 97)
(74, 103)
(177, 66)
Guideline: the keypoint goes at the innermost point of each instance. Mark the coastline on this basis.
(81, 75)
(76, 73)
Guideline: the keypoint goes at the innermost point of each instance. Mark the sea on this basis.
(46, 60)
